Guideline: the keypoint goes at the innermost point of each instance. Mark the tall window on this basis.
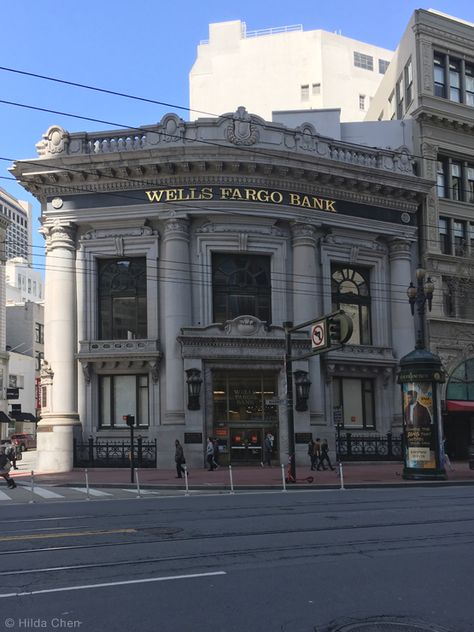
(461, 383)
(441, 178)
(439, 76)
(244, 396)
(355, 399)
(363, 61)
(399, 97)
(444, 237)
(408, 83)
(305, 92)
(241, 286)
(456, 181)
(39, 333)
(351, 293)
(470, 184)
(469, 84)
(459, 233)
(122, 299)
(123, 395)
(453, 79)
(361, 101)
(383, 65)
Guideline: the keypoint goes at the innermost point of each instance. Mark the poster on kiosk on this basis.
(418, 419)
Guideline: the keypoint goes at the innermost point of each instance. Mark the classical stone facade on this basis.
(174, 256)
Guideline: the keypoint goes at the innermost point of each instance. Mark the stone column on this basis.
(307, 303)
(403, 330)
(176, 302)
(59, 418)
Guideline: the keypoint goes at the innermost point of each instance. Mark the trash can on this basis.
(471, 457)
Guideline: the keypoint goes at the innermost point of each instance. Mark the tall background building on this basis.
(19, 232)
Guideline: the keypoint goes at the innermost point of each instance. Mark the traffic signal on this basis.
(340, 328)
(129, 420)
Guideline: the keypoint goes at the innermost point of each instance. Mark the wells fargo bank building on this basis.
(173, 257)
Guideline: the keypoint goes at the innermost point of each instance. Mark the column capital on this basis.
(303, 234)
(176, 228)
(399, 248)
(59, 235)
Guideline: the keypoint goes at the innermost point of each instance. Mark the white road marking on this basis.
(4, 496)
(142, 491)
(41, 491)
(110, 584)
(92, 492)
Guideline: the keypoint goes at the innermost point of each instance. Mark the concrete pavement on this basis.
(365, 474)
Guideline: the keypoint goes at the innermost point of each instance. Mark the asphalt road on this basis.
(293, 562)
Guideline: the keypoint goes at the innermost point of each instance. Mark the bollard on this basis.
(231, 480)
(88, 496)
(186, 482)
(138, 483)
(341, 476)
(32, 487)
(283, 478)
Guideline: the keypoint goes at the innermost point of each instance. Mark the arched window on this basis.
(461, 383)
(241, 286)
(351, 292)
(122, 299)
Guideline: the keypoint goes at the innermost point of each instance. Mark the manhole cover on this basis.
(385, 624)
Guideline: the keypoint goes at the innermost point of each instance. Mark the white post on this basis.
(341, 476)
(186, 493)
(231, 480)
(32, 486)
(88, 496)
(138, 483)
(283, 477)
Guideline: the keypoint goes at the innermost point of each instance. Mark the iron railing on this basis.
(114, 453)
(351, 447)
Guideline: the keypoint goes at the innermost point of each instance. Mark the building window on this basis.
(351, 293)
(444, 236)
(391, 107)
(241, 286)
(399, 98)
(316, 88)
(39, 333)
(361, 101)
(408, 83)
(456, 181)
(461, 383)
(122, 299)
(383, 65)
(363, 61)
(469, 84)
(470, 184)
(305, 92)
(441, 178)
(459, 185)
(458, 297)
(242, 396)
(459, 234)
(355, 398)
(39, 357)
(439, 76)
(453, 79)
(123, 395)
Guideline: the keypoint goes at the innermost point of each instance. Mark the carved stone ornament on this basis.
(241, 131)
(57, 202)
(59, 235)
(46, 372)
(54, 141)
(86, 371)
(155, 371)
(244, 326)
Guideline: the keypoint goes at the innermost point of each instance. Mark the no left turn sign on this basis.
(318, 335)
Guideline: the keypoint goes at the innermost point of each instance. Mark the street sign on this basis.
(276, 402)
(13, 393)
(319, 335)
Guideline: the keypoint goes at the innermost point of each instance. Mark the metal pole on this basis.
(32, 487)
(283, 477)
(289, 396)
(131, 454)
(138, 483)
(88, 496)
(231, 480)
(186, 493)
(341, 475)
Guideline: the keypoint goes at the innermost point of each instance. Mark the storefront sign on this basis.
(192, 437)
(303, 437)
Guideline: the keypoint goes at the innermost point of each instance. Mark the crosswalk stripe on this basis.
(92, 492)
(44, 493)
(4, 496)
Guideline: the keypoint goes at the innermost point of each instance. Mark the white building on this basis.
(284, 69)
(23, 283)
(19, 232)
(179, 269)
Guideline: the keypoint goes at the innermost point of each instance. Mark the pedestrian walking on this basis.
(312, 453)
(324, 458)
(210, 454)
(317, 454)
(447, 460)
(268, 449)
(179, 459)
(216, 453)
(10, 451)
(5, 466)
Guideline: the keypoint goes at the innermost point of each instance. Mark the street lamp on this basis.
(419, 296)
(302, 384)
(194, 382)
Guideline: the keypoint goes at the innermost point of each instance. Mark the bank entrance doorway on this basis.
(244, 413)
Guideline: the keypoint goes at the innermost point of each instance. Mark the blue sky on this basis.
(145, 48)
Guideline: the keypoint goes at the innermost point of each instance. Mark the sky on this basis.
(144, 48)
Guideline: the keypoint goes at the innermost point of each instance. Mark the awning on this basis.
(4, 419)
(459, 406)
(23, 417)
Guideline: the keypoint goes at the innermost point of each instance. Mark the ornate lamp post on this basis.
(420, 374)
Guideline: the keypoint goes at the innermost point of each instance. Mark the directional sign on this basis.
(319, 335)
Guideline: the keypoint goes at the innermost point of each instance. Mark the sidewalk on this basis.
(366, 474)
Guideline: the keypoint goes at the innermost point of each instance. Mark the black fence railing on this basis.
(98, 453)
(351, 447)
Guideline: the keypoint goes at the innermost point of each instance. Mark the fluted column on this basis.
(59, 416)
(176, 301)
(403, 333)
(307, 301)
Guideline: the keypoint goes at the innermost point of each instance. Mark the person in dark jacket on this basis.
(210, 454)
(324, 458)
(179, 459)
(5, 466)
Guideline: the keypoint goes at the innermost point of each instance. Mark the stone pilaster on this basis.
(59, 415)
(307, 302)
(176, 302)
